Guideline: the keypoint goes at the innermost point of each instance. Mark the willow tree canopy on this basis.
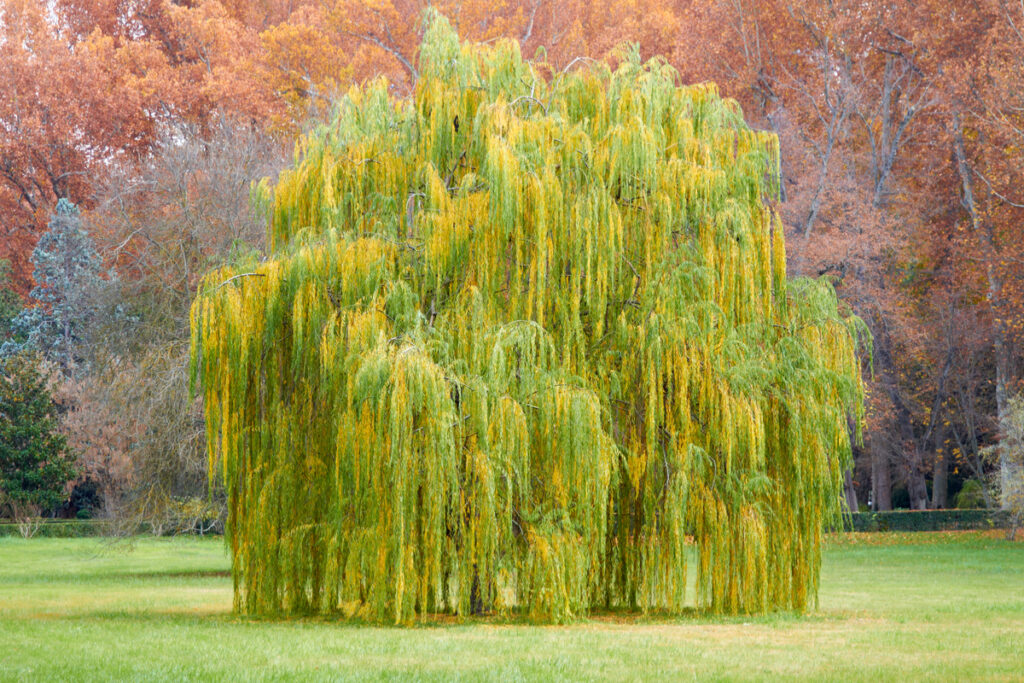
(526, 343)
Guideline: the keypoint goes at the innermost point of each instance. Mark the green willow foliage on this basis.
(523, 340)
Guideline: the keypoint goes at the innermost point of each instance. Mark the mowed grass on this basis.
(941, 606)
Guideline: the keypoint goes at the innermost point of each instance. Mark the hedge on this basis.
(80, 528)
(70, 528)
(927, 520)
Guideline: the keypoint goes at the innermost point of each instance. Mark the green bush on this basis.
(970, 496)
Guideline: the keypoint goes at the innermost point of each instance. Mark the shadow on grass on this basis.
(148, 575)
(600, 618)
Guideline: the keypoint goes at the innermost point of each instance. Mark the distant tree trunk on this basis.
(917, 488)
(940, 482)
(849, 491)
(881, 480)
(1007, 471)
(934, 435)
(911, 462)
(884, 455)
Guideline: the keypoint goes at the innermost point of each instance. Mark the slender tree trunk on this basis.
(940, 482)
(1007, 470)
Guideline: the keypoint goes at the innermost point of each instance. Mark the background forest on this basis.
(132, 131)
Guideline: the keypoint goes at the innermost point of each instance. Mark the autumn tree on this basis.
(93, 84)
(863, 97)
(518, 339)
(987, 127)
(382, 38)
(71, 104)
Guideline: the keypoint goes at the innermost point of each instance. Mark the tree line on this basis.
(901, 135)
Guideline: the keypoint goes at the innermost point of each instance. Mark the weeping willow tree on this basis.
(526, 344)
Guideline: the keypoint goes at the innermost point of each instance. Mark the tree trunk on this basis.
(1007, 471)
(917, 488)
(881, 481)
(849, 492)
(940, 482)
(910, 460)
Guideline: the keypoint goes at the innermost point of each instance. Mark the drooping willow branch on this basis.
(527, 357)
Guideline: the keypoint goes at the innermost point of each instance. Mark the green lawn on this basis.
(899, 607)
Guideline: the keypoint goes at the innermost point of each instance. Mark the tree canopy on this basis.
(521, 338)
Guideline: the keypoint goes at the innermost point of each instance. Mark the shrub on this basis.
(970, 496)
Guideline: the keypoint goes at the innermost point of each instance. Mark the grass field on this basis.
(940, 606)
